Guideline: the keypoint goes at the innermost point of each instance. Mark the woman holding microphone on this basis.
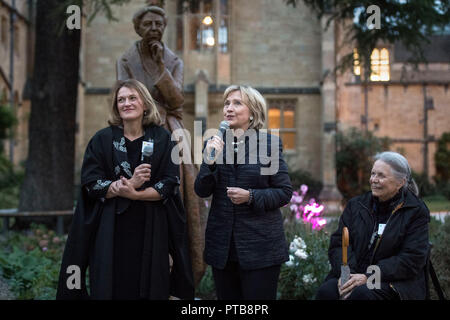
(245, 242)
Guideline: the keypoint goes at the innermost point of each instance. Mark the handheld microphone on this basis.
(223, 127)
(147, 151)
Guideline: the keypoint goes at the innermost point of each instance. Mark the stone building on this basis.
(284, 52)
(225, 42)
(15, 67)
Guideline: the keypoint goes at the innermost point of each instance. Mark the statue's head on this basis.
(150, 22)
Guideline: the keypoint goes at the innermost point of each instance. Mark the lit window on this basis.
(356, 65)
(202, 25)
(379, 65)
(281, 115)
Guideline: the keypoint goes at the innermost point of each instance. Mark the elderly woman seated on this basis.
(388, 230)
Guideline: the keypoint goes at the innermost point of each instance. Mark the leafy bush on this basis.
(10, 181)
(440, 254)
(308, 266)
(30, 263)
(206, 289)
(354, 159)
(445, 190)
(300, 177)
(442, 158)
(426, 188)
(7, 120)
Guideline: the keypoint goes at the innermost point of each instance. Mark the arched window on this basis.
(207, 25)
(379, 62)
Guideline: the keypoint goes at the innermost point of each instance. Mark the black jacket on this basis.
(403, 247)
(90, 242)
(257, 228)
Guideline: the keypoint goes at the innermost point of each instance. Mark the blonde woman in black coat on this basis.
(248, 180)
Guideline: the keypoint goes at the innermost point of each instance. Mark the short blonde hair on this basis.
(151, 113)
(254, 101)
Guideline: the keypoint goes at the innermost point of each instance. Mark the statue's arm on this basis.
(122, 71)
(171, 85)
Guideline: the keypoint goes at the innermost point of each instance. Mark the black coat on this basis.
(257, 228)
(90, 242)
(402, 251)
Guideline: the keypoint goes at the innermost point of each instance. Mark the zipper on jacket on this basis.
(393, 288)
(381, 236)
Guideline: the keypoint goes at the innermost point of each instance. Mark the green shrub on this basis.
(206, 289)
(440, 254)
(442, 158)
(308, 266)
(30, 263)
(445, 190)
(299, 177)
(426, 188)
(354, 159)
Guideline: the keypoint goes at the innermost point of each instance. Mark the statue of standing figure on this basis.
(161, 71)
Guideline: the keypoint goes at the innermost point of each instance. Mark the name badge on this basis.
(147, 144)
(381, 227)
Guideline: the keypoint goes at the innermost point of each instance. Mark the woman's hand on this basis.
(238, 195)
(356, 280)
(141, 174)
(126, 189)
(214, 143)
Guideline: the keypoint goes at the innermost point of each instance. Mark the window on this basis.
(281, 115)
(356, 66)
(379, 64)
(204, 29)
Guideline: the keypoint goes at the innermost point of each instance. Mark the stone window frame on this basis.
(378, 64)
(282, 104)
(198, 30)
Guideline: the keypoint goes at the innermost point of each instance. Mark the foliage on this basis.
(308, 266)
(7, 120)
(442, 158)
(30, 263)
(354, 159)
(445, 190)
(408, 22)
(10, 181)
(440, 254)
(206, 289)
(426, 188)
(299, 177)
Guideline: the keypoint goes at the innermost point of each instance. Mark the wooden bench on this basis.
(10, 213)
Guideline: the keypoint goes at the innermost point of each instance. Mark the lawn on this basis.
(437, 203)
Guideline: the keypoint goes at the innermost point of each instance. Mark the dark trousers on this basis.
(329, 291)
(234, 283)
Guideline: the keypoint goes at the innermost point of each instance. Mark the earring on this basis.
(251, 118)
(145, 113)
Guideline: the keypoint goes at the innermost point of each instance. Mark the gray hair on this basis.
(400, 168)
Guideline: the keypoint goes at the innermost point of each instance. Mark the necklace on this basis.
(236, 145)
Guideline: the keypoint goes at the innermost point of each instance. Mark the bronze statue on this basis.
(152, 63)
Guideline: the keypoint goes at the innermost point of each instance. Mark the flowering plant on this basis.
(307, 212)
(308, 265)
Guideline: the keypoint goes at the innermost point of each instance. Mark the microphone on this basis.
(223, 127)
(147, 151)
